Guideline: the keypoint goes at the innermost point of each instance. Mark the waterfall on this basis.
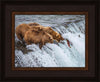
(71, 27)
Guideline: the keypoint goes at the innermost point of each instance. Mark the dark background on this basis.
(9, 6)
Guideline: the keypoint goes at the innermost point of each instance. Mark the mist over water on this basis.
(71, 27)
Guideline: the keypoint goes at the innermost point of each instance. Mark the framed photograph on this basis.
(49, 41)
(65, 28)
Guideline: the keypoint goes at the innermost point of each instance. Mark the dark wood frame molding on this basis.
(50, 13)
(92, 74)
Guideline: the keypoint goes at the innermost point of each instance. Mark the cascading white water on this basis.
(71, 27)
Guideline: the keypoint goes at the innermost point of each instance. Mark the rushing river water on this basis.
(71, 27)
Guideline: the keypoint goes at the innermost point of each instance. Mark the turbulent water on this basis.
(71, 27)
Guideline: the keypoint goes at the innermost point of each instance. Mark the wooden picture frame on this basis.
(9, 73)
(50, 13)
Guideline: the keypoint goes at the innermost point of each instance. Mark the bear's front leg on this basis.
(28, 43)
(23, 41)
(19, 36)
(40, 45)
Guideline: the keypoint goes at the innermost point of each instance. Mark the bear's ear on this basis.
(57, 34)
(50, 28)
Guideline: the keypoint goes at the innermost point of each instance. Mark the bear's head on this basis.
(58, 37)
(54, 34)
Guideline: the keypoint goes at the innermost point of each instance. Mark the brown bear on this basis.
(49, 30)
(54, 34)
(41, 37)
(21, 30)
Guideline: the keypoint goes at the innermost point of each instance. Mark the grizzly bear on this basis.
(54, 34)
(21, 30)
(49, 30)
(41, 37)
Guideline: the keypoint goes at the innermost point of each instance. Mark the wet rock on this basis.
(22, 47)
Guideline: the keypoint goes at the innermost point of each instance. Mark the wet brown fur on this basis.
(21, 30)
(49, 30)
(54, 34)
(41, 37)
(36, 33)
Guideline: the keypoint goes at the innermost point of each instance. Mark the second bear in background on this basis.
(49, 30)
